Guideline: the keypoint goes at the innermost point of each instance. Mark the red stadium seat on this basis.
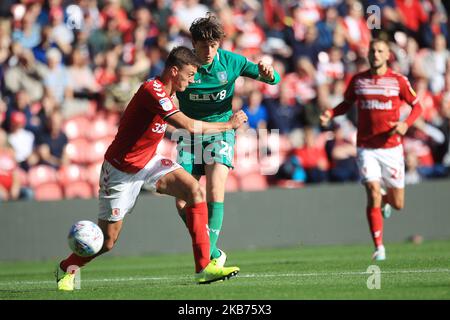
(253, 182)
(113, 120)
(41, 174)
(93, 173)
(71, 173)
(78, 190)
(77, 127)
(97, 149)
(101, 128)
(78, 150)
(50, 191)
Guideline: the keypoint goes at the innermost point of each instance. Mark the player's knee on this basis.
(196, 193)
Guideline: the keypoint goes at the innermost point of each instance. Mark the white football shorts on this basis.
(119, 190)
(384, 165)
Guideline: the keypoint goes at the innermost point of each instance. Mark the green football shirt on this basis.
(209, 98)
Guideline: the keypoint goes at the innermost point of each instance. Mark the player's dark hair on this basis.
(207, 29)
(181, 56)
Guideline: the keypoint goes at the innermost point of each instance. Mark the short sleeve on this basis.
(407, 93)
(159, 102)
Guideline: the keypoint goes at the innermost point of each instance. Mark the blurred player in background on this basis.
(378, 94)
(131, 161)
(209, 98)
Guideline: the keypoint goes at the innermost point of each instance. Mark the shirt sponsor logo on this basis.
(208, 96)
(222, 76)
(376, 105)
(376, 90)
(166, 104)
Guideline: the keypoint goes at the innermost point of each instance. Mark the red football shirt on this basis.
(141, 128)
(378, 99)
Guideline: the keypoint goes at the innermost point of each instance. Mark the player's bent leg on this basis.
(181, 204)
(182, 185)
(216, 177)
(396, 198)
(66, 270)
(111, 231)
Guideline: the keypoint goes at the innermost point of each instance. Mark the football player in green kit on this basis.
(209, 99)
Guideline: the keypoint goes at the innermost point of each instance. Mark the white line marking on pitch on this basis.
(251, 275)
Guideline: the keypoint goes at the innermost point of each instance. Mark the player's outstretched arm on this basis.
(267, 73)
(180, 120)
(340, 109)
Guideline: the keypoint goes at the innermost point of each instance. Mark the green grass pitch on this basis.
(304, 272)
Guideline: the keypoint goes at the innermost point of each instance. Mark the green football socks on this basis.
(215, 219)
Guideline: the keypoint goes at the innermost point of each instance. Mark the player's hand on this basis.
(265, 71)
(238, 119)
(325, 118)
(398, 128)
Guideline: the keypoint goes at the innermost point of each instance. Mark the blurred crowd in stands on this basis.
(68, 69)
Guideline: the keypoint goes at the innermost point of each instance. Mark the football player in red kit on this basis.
(131, 161)
(378, 94)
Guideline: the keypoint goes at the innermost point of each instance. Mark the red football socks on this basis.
(74, 262)
(197, 223)
(376, 225)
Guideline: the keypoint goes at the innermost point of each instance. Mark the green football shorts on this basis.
(198, 150)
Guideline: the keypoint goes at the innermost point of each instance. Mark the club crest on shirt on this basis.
(166, 104)
(222, 76)
(166, 162)
(116, 212)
